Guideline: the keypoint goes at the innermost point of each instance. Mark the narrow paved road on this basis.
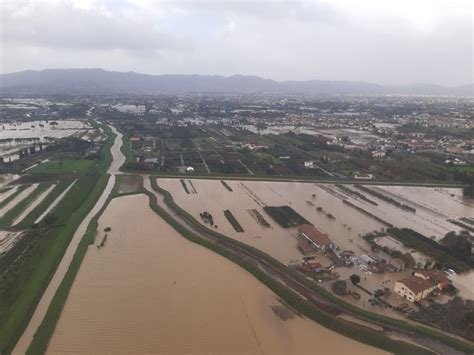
(42, 307)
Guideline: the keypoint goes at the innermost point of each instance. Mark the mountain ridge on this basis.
(97, 81)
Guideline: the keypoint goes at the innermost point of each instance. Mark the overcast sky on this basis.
(381, 41)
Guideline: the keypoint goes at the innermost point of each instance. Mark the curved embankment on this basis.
(322, 300)
(42, 307)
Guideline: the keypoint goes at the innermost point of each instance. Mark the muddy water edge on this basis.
(149, 290)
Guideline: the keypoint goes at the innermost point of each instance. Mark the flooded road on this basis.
(58, 276)
(119, 158)
(149, 290)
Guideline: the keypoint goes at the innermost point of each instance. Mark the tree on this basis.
(459, 244)
(355, 279)
(468, 191)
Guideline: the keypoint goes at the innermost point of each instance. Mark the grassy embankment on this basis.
(46, 329)
(350, 330)
(33, 271)
(294, 178)
(129, 157)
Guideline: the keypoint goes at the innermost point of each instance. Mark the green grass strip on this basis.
(105, 156)
(10, 198)
(125, 149)
(5, 189)
(43, 206)
(294, 178)
(7, 219)
(456, 343)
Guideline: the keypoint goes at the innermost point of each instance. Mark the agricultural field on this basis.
(15, 136)
(303, 153)
(63, 166)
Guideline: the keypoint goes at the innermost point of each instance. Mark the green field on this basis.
(10, 198)
(43, 205)
(64, 166)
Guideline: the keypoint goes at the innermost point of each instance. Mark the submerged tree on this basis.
(355, 279)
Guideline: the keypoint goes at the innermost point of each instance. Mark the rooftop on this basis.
(314, 234)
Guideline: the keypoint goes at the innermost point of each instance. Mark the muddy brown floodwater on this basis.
(279, 242)
(149, 290)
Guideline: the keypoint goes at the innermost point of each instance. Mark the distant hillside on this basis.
(99, 81)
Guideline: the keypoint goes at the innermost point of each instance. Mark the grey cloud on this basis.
(63, 26)
(283, 40)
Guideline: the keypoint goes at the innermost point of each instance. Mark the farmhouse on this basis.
(419, 285)
(320, 240)
(135, 139)
(378, 154)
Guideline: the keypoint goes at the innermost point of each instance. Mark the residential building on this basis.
(419, 285)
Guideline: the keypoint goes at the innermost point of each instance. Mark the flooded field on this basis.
(129, 183)
(40, 129)
(434, 206)
(22, 134)
(213, 197)
(356, 136)
(448, 202)
(345, 230)
(149, 290)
